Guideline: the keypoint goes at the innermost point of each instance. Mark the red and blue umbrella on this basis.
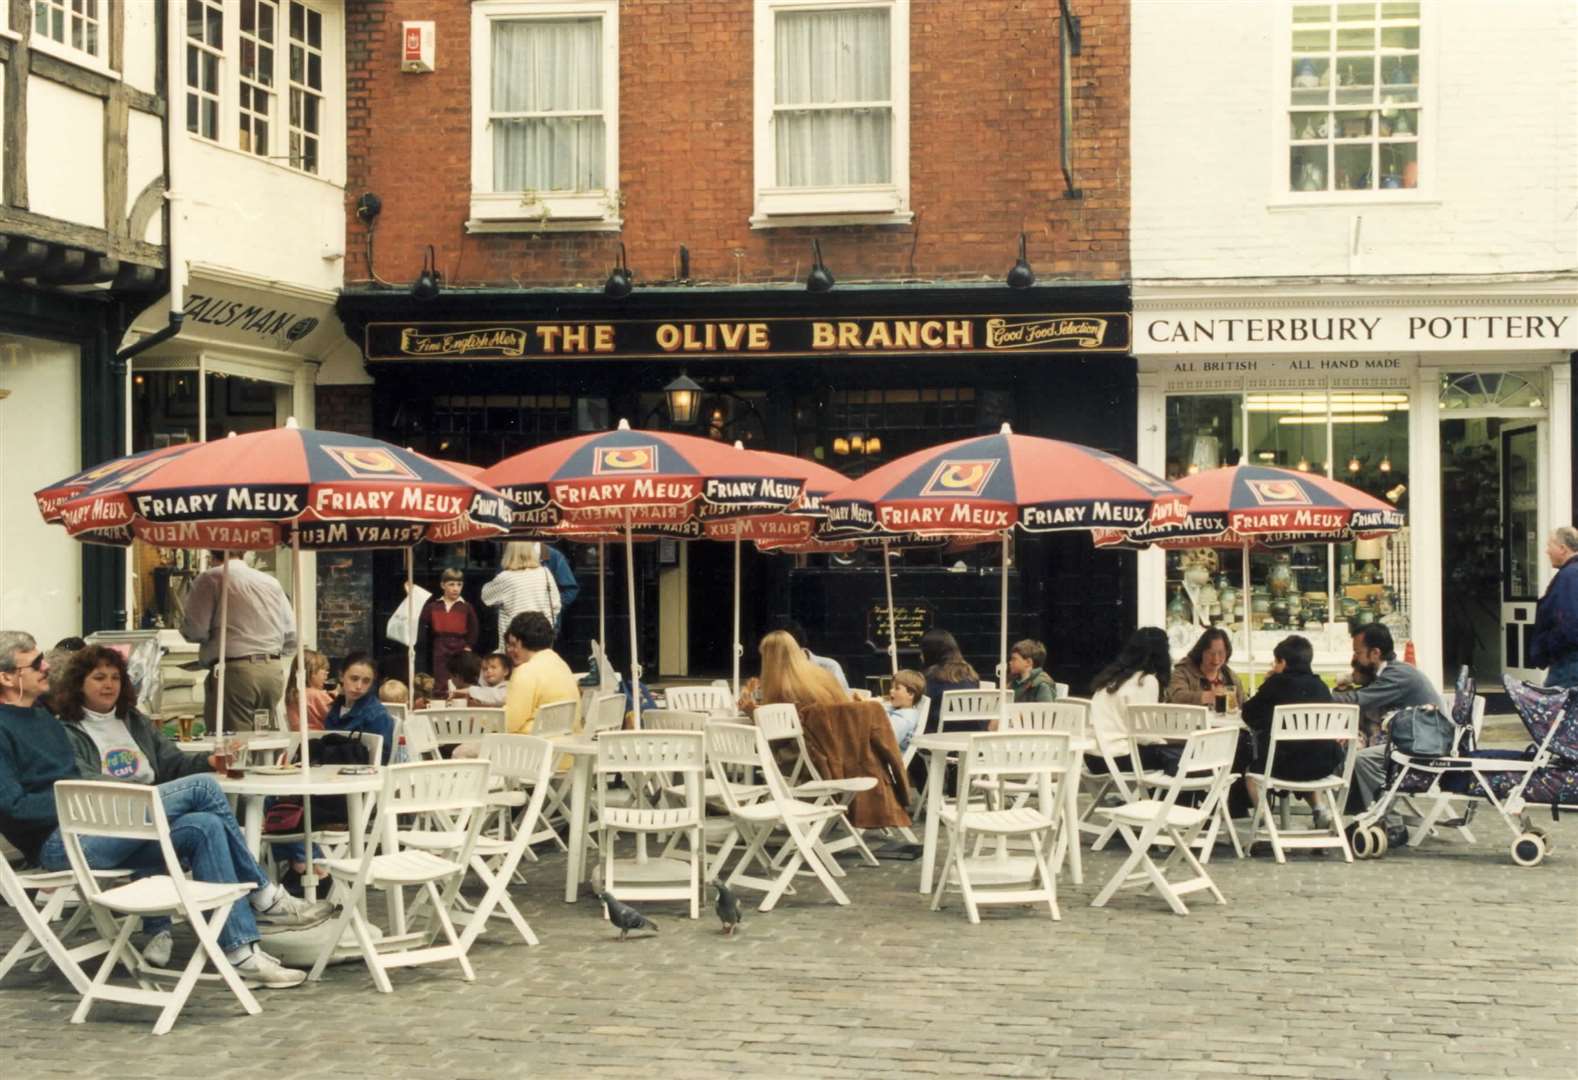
(52, 498)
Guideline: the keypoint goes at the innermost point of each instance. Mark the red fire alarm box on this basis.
(416, 46)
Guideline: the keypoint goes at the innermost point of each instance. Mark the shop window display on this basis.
(1359, 437)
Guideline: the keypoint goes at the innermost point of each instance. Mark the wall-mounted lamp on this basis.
(619, 284)
(820, 279)
(1396, 493)
(429, 283)
(684, 395)
(1020, 276)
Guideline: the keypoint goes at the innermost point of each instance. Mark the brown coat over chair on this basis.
(856, 739)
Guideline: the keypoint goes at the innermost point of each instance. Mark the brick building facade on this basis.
(717, 205)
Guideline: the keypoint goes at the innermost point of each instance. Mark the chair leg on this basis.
(102, 977)
(1335, 815)
(944, 871)
(450, 936)
(375, 964)
(1274, 829)
(1048, 877)
(807, 843)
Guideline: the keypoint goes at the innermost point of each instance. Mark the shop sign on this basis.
(1400, 328)
(786, 336)
(250, 318)
(910, 623)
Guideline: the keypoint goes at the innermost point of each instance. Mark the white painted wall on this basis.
(1209, 166)
(65, 185)
(141, 46)
(40, 442)
(144, 163)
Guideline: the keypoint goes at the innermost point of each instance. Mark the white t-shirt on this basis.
(120, 758)
(1107, 719)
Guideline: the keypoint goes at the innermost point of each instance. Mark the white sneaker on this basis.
(156, 953)
(289, 913)
(262, 970)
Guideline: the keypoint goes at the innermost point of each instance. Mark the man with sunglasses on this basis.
(35, 752)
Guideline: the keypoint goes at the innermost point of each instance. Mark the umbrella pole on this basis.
(893, 636)
(224, 622)
(1002, 649)
(630, 598)
(737, 648)
(410, 630)
(602, 600)
(309, 880)
(1249, 630)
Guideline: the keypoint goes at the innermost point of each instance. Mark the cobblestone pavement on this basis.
(1446, 961)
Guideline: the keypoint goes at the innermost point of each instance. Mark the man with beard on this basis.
(1381, 684)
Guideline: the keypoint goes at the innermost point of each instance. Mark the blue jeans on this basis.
(205, 836)
(1563, 671)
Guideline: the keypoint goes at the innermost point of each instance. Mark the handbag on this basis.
(282, 817)
(1423, 731)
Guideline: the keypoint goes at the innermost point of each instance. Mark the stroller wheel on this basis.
(1379, 838)
(1367, 842)
(1528, 849)
(1545, 839)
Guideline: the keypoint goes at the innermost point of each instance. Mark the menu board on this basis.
(910, 622)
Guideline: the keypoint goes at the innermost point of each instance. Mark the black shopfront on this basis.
(852, 378)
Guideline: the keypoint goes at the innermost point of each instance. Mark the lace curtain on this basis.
(553, 72)
(822, 60)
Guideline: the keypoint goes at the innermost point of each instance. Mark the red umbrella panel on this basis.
(625, 477)
(1264, 506)
(53, 498)
(993, 483)
(319, 488)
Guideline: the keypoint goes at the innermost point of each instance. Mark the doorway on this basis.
(1492, 431)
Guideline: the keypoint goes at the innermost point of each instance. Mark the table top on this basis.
(954, 742)
(255, 740)
(324, 780)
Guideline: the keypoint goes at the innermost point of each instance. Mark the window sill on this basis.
(825, 220)
(549, 225)
(68, 55)
(320, 178)
(1324, 200)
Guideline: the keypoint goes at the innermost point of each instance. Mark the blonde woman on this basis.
(523, 584)
(789, 678)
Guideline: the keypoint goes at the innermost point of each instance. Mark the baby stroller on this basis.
(1511, 781)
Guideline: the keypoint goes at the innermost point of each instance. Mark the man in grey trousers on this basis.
(1383, 684)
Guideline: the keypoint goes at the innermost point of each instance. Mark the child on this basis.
(318, 699)
(465, 669)
(903, 705)
(393, 692)
(357, 708)
(449, 623)
(495, 680)
(1025, 675)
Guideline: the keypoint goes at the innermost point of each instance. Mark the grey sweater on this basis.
(168, 761)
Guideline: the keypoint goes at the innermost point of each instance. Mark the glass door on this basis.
(1521, 555)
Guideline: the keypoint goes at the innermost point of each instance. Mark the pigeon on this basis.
(624, 916)
(728, 908)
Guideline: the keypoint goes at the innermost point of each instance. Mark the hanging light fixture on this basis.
(619, 283)
(841, 445)
(820, 279)
(683, 394)
(874, 445)
(1385, 465)
(429, 282)
(857, 444)
(1020, 276)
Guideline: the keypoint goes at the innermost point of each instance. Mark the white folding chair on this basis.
(134, 812)
(740, 746)
(421, 744)
(1148, 821)
(1108, 781)
(922, 710)
(463, 725)
(555, 719)
(781, 724)
(1292, 725)
(972, 710)
(1040, 759)
(1174, 723)
(605, 712)
(1071, 716)
(40, 898)
(454, 790)
(678, 760)
(712, 700)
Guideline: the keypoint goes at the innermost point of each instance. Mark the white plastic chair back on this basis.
(457, 788)
(450, 725)
(986, 684)
(1071, 716)
(524, 759)
(606, 713)
(1043, 757)
(1175, 721)
(703, 699)
(652, 752)
(420, 742)
(554, 718)
(673, 720)
(1207, 752)
(396, 710)
(732, 753)
(1061, 688)
(961, 708)
(1314, 723)
(373, 743)
(778, 721)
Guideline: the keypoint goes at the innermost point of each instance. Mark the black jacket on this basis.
(1283, 688)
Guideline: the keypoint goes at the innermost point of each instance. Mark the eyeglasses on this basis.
(37, 664)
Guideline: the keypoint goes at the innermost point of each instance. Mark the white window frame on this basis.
(1283, 57)
(855, 204)
(508, 211)
(228, 31)
(307, 91)
(270, 92)
(331, 116)
(98, 60)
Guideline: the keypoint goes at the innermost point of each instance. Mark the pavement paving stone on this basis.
(1299, 975)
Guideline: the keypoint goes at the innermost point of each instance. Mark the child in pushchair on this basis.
(1511, 781)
